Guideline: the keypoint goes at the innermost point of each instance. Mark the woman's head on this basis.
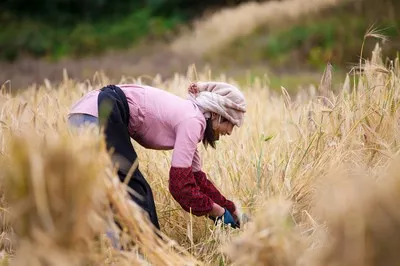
(223, 106)
(216, 126)
(221, 125)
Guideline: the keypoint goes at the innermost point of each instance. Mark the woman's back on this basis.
(159, 115)
(158, 120)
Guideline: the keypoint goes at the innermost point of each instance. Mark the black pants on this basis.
(113, 100)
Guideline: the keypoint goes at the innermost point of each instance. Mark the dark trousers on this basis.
(112, 101)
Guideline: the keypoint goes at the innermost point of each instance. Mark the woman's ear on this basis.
(214, 120)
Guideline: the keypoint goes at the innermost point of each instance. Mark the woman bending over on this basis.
(157, 119)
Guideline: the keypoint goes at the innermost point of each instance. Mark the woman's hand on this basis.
(220, 213)
(216, 210)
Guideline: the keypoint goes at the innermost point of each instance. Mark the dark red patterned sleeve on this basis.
(186, 192)
(210, 190)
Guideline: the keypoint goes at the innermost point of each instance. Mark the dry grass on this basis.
(312, 169)
(219, 29)
(61, 193)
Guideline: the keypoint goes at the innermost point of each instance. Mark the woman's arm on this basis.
(186, 192)
(182, 183)
(208, 188)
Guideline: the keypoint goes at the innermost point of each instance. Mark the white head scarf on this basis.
(220, 98)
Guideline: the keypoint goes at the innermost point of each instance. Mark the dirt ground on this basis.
(157, 59)
(145, 60)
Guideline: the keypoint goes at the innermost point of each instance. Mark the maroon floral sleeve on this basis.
(210, 190)
(187, 193)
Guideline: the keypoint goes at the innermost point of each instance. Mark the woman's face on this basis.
(221, 126)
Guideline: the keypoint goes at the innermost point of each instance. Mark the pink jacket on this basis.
(158, 120)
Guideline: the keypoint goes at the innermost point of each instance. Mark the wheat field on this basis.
(316, 171)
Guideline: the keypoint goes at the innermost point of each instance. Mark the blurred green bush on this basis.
(60, 12)
(335, 35)
(39, 39)
(56, 28)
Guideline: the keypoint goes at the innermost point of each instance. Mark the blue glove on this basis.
(227, 219)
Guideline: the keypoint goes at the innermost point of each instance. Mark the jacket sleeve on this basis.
(208, 188)
(186, 192)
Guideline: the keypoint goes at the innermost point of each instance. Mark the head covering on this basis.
(220, 98)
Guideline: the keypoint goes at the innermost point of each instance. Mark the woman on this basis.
(159, 120)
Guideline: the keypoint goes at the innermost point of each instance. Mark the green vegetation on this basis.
(53, 29)
(335, 37)
(56, 28)
(40, 39)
